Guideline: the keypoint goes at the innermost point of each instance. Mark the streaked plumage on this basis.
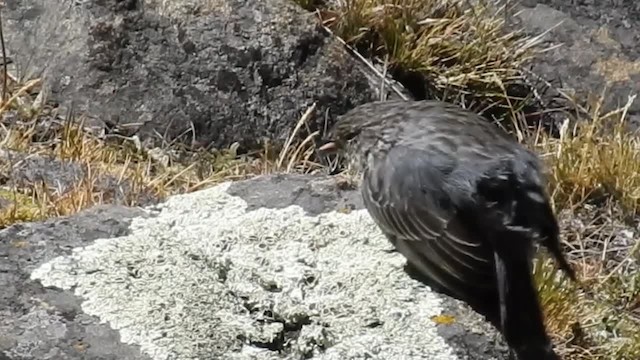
(463, 202)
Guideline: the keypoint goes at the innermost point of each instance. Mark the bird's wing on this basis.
(405, 194)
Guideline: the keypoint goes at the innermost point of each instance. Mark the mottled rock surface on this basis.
(213, 71)
(598, 46)
(38, 323)
(220, 273)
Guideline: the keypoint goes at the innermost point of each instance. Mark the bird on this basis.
(462, 201)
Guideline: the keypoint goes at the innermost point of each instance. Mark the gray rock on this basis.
(598, 47)
(221, 274)
(39, 323)
(228, 70)
(24, 169)
(280, 191)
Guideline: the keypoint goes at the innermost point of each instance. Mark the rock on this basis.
(226, 273)
(47, 323)
(211, 72)
(598, 47)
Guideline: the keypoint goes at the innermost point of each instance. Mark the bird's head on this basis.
(340, 137)
(341, 142)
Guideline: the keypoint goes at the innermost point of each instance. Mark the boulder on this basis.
(594, 44)
(277, 267)
(207, 73)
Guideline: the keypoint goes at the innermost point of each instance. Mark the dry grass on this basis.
(595, 161)
(594, 179)
(137, 175)
(460, 49)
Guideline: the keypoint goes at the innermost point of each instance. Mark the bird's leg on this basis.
(503, 289)
(392, 241)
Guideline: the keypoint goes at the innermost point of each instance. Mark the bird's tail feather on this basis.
(533, 210)
(551, 241)
(521, 316)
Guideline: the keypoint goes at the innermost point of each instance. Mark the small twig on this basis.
(506, 12)
(28, 86)
(4, 62)
(300, 149)
(287, 145)
(367, 63)
(325, 125)
(384, 76)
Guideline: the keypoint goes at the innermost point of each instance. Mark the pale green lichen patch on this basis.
(204, 279)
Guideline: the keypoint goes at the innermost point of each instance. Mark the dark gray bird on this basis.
(462, 201)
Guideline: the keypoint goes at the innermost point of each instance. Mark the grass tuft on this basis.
(595, 161)
(452, 50)
(593, 181)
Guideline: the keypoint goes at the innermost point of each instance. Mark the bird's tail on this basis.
(520, 312)
(533, 210)
(551, 240)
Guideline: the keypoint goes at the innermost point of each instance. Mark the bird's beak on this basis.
(329, 146)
